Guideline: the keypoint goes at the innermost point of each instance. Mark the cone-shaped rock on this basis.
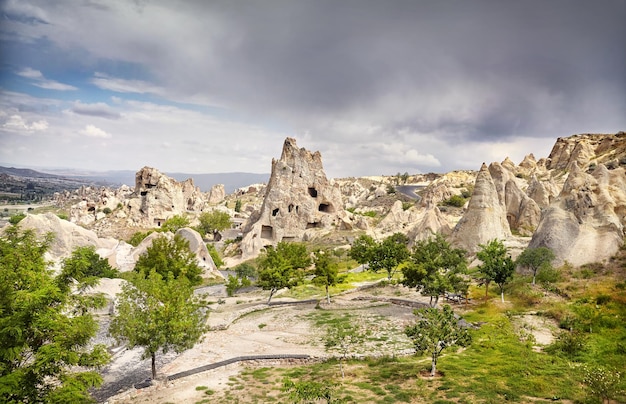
(485, 218)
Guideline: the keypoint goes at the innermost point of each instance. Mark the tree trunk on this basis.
(154, 366)
(433, 370)
(272, 291)
(502, 295)
(327, 295)
(534, 275)
(486, 290)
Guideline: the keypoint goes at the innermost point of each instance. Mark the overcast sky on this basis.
(378, 87)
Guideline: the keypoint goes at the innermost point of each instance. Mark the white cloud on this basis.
(17, 124)
(40, 81)
(119, 85)
(94, 131)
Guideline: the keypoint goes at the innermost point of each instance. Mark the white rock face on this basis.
(586, 223)
(485, 218)
(299, 202)
(67, 236)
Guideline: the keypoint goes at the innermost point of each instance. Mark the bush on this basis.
(455, 200)
(15, 219)
(548, 275)
(106, 211)
(138, 237)
(568, 343)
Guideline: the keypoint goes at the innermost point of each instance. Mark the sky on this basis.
(378, 87)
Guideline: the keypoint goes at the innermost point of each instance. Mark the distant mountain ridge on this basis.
(114, 178)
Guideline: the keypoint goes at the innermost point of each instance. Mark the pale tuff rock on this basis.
(299, 202)
(485, 218)
(586, 223)
(529, 164)
(586, 148)
(508, 164)
(542, 192)
(446, 185)
(158, 197)
(417, 223)
(67, 236)
(522, 213)
(217, 194)
(91, 201)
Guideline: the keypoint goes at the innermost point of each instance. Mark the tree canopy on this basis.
(281, 267)
(326, 271)
(535, 259)
(435, 268)
(436, 330)
(361, 249)
(86, 267)
(170, 256)
(213, 222)
(175, 223)
(45, 351)
(497, 265)
(159, 314)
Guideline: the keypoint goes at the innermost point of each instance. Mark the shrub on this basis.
(455, 200)
(15, 219)
(106, 211)
(602, 382)
(569, 343)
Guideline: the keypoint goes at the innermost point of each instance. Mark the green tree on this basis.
(138, 237)
(16, 218)
(310, 391)
(45, 350)
(215, 255)
(535, 259)
(238, 205)
(245, 270)
(497, 265)
(170, 256)
(86, 267)
(213, 222)
(436, 330)
(159, 315)
(282, 267)
(342, 336)
(435, 268)
(175, 223)
(326, 271)
(389, 254)
(361, 249)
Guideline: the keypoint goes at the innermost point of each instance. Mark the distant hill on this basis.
(115, 178)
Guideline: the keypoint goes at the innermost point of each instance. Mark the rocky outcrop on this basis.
(588, 149)
(67, 236)
(299, 202)
(158, 197)
(91, 203)
(217, 194)
(485, 218)
(586, 223)
(522, 212)
(418, 223)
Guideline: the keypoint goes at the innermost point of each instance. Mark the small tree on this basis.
(389, 254)
(342, 336)
(326, 272)
(215, 255)
(435, 267)
(175, 223)
(158, 314)
(310, 391)
(213, 222)
(361, 249)
(281, 267)
(535, 259)
(86, 267)
(165, 256)
(436, 330)
(497, 265)
(238, 205)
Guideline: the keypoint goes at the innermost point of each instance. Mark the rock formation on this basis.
(485, 218)
(216, 194)
(587, 148)
(158, 197)
(299, 201)
(586, 223)
(522, 212)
